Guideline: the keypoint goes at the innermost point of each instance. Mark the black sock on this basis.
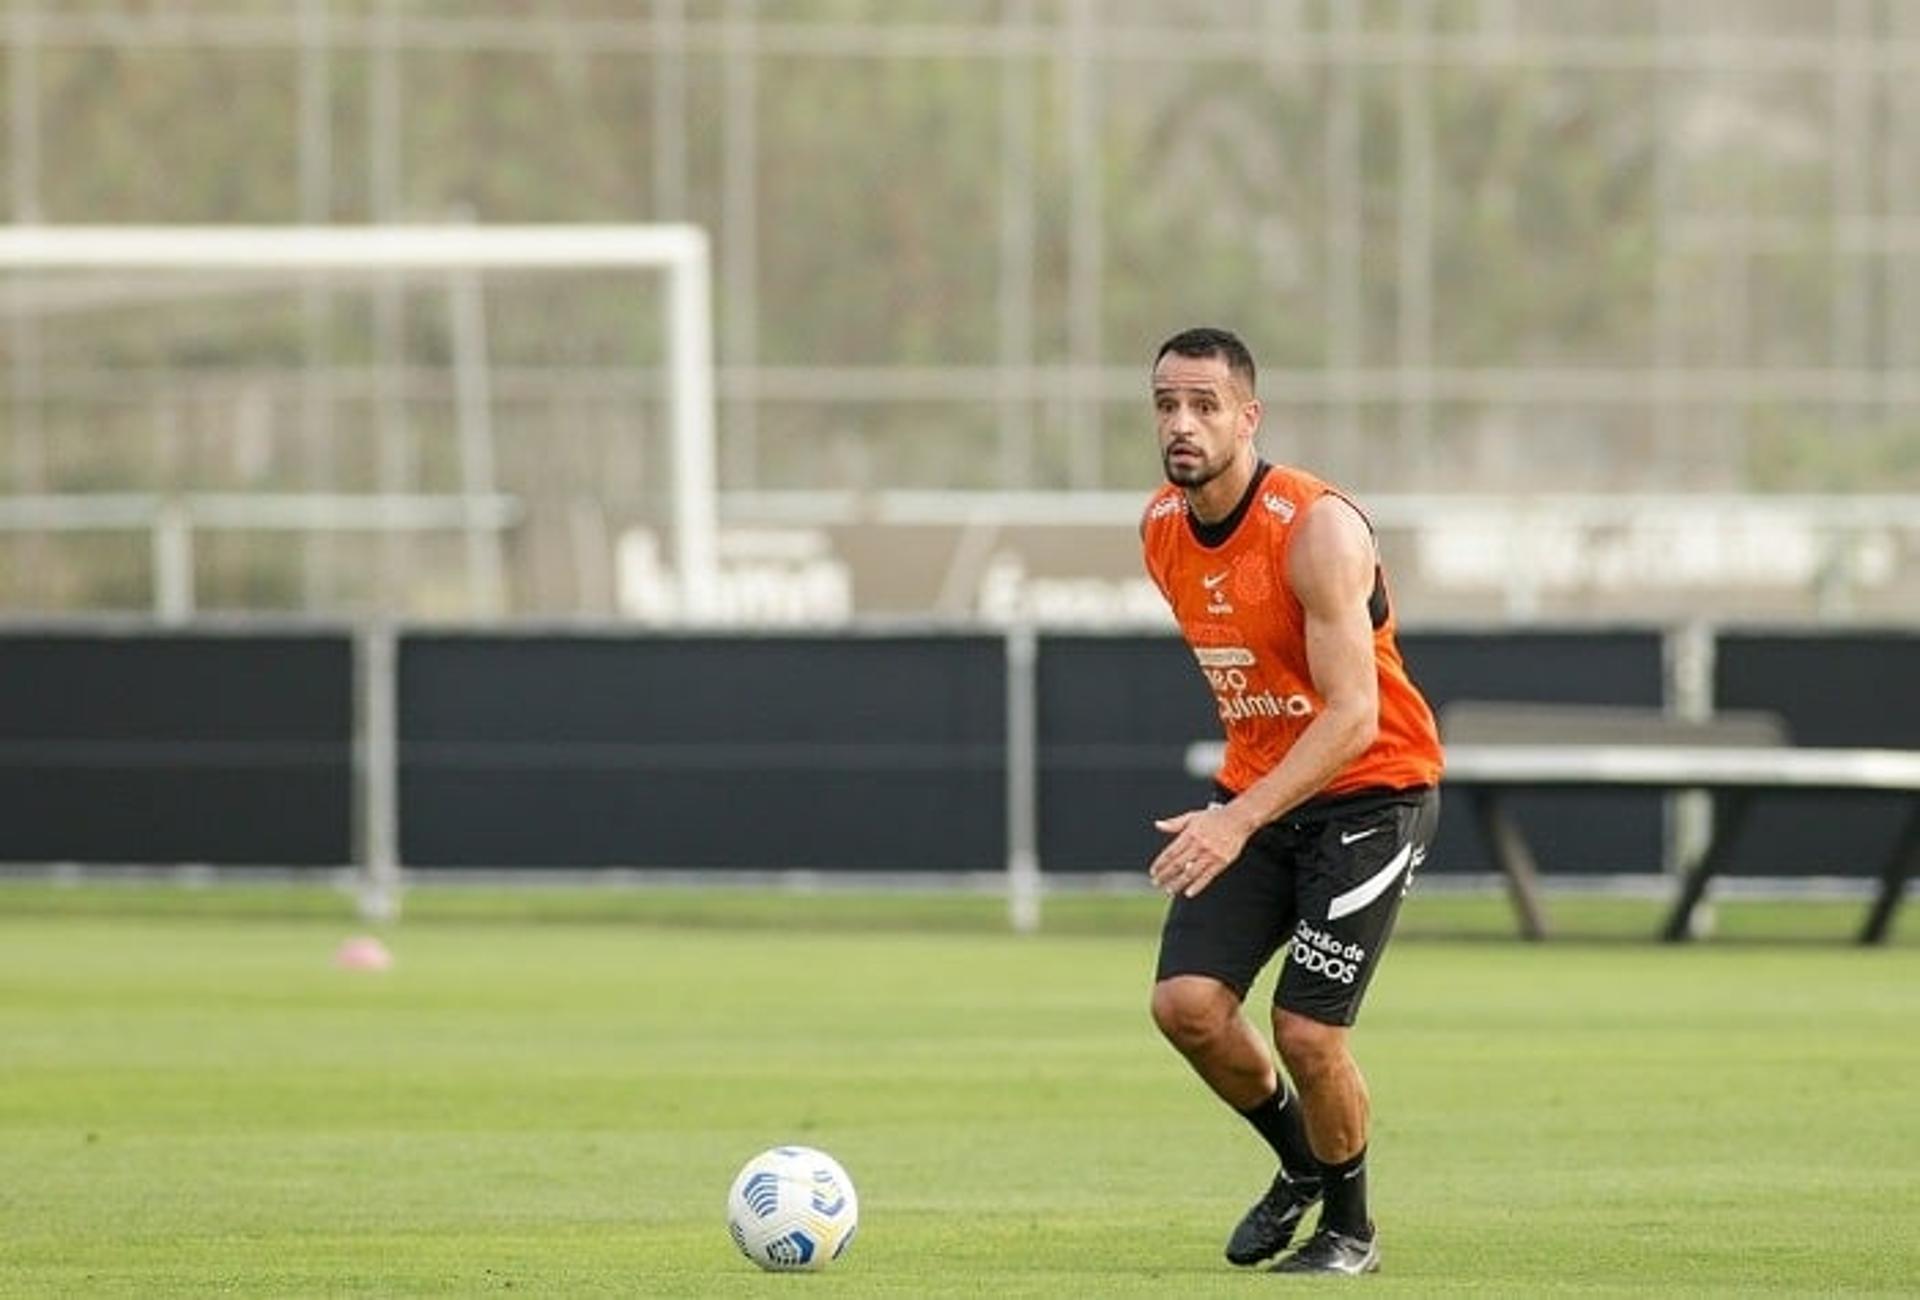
(1345, 1187)
(1277, 1119)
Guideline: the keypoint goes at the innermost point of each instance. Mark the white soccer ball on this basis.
(792, 1209)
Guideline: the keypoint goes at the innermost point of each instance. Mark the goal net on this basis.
(458, 421)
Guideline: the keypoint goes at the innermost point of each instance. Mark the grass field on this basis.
(193, 1101)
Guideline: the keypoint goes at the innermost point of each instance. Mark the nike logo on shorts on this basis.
(1371, 888)
(1357, 836)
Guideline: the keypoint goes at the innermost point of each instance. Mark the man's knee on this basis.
(1311, 1048)
(1192, 1010)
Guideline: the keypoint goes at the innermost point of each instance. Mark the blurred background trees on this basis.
(1479, 245)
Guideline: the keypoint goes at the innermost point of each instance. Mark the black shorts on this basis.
(1325, 881)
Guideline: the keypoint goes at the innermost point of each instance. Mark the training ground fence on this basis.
(1026, 759)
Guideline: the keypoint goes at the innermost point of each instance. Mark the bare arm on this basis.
(1331, 569)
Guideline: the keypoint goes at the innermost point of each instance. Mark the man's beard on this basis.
(1192, 473)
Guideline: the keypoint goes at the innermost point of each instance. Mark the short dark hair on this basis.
(1206, 341)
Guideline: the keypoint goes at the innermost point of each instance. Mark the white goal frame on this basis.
(681, 251)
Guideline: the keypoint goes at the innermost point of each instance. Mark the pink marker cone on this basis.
(363, 952)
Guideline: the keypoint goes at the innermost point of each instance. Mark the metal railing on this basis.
(172, 521)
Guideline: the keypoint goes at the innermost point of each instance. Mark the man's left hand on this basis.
(1205, 843)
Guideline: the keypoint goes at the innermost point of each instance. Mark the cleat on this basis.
(1266, 1229)
(1333, 1252)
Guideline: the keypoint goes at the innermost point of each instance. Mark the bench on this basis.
(1494, 747)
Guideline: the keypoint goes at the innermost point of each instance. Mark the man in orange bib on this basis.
(1324, 805)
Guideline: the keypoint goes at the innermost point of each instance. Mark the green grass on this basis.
(1432, 913)
(193, 1101)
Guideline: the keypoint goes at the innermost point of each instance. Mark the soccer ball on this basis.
(792, 1209)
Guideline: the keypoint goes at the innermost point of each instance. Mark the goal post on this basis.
(681, 251)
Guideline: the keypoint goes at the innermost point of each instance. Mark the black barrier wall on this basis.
(1117, 714)
(1842, 689)
(166, 748)
(828, 752)
(862, 753)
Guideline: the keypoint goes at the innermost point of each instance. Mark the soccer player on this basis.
(1323, 807)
